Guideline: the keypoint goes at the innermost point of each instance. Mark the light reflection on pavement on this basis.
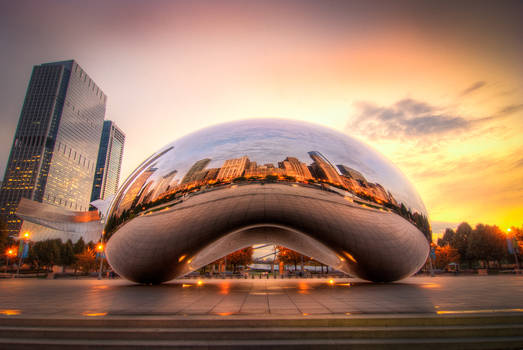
(288, 297)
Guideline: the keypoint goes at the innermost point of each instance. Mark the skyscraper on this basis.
(55, 147)
(109, 161)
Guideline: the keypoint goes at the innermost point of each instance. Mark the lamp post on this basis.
(100, 252)
(512, 244)
(22, 251)
(10, 252)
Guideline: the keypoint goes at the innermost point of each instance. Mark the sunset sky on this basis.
(437, 87)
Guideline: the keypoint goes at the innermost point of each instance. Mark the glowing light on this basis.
(430, 285)
(200, 283)
(100, 247)
(443, 312)
(305, 314)
(350, 257)
(186, 285)
(331, 282)
(94, 314)
(180, 259)
(10, 312)
(347, 313)
(26, 235)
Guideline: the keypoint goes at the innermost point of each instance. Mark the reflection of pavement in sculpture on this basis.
(168, 243)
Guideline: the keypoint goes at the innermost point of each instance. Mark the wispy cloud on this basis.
(406, 118)
(472, 88)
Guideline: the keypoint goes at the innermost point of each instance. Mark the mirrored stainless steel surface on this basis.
(291, 183)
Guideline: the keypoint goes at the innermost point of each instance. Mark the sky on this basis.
(436, 87)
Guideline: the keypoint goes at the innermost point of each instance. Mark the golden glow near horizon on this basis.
(438, 95)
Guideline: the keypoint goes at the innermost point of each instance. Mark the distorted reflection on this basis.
(259, 152)
(303, 186)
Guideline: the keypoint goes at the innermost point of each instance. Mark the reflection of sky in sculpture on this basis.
(272, 140)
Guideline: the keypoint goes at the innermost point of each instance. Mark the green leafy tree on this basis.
(79, 246)
(486, 243)
(45, 254)
(447, 238)
(67, 257)
(460, 240)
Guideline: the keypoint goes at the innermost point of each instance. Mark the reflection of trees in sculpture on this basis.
(290, 257)
(143, 195)
(240, 257)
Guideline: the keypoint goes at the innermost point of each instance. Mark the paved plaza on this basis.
(261, 298)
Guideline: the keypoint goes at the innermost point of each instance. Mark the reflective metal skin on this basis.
(299, 185)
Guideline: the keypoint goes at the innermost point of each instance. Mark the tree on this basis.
(271, 178)
(446, 255)
(86, 260)
(240, 257)
(45, 253)
(447, 238)
(289, 256)
(460, 240)
(5, 240)
(486, 243)
(79, 246)
(67, 257)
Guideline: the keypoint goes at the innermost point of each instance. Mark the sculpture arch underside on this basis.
(175, 239)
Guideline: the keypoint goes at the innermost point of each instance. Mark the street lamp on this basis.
(9, 253)
(100, 252)
(23, 250)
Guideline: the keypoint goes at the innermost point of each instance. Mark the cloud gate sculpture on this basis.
(299, 185)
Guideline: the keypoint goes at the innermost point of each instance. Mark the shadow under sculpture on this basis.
(302, 186)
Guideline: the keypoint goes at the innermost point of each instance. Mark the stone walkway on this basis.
(295, 297)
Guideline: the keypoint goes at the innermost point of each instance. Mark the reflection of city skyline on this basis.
(242, 168)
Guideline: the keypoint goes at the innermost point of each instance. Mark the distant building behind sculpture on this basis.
(55, 148)
(109, 163)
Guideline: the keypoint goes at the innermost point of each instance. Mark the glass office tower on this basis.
(109, 161)
(55, 148)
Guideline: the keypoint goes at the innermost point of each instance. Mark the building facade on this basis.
(55, 148)
(109, 163)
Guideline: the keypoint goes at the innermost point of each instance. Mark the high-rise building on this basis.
(55, 148)
(109, 161)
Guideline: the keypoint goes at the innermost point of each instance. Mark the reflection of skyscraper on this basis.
(55, 147)
(135, 190)
(299, 168)
(233, 168)
(195, 172)
(324, 169)
(211, 174)
(109, 161)
(349, 172)
(163, 185)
